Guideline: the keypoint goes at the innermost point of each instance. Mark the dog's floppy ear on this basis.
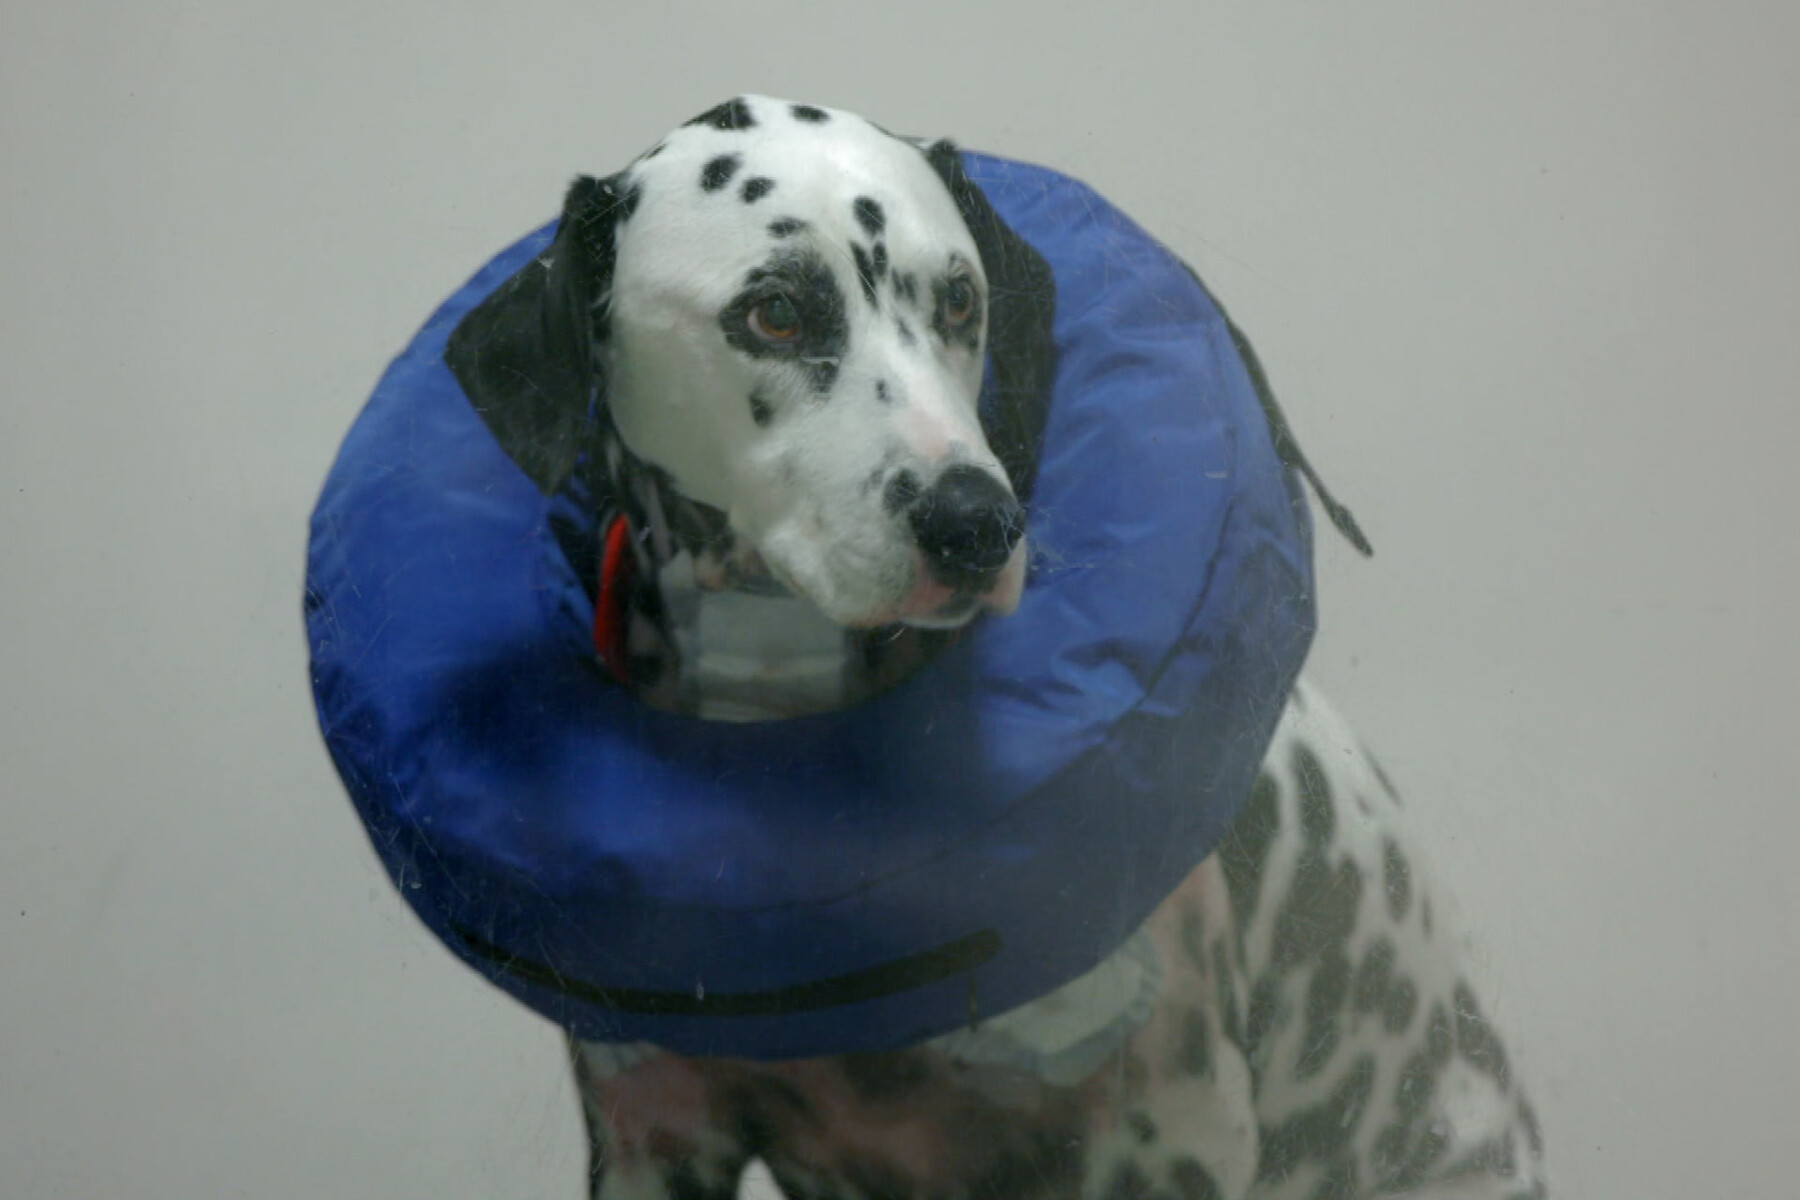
(1021, 310)
(527, 356)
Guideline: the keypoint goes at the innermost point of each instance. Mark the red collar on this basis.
(612, 603)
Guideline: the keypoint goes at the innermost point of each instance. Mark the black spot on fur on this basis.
(698, 527)
(731, 115)
(1193, 1053)
(1320, 1131)
(760, 412)
(870, 216)
(718, 172)
(809, 114)
(1404, 1154)
(1325, 995)
(755, 188)
(1260, 1017)
(684, 1183)
(1046, 1160)
(807, 283)
(1129, 1182)
(1438, 1037)
(907, 337)
(1413, 1089)
(1339, 1181)
(1141, 1126)
(1398, 1008)
(786, 227)
(1396, 878)
(1225, 983)
(906, 285)
(879, 257)
(903, 490)
(1318, 819)
(1245, 847)
(865, 272)
(1319, 910)
(881, 392)
(764, 1109)
(887, 1076)
(1193, 940)
(1477, 1039)
(1193, 1181)
(1368, 991)
(1416, 1084)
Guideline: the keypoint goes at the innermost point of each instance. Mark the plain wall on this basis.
(1527, 277)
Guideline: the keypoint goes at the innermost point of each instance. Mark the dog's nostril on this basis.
(967, 525)
(902, 492)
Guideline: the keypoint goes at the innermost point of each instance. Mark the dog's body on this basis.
(1310, 1035)
(786, 312)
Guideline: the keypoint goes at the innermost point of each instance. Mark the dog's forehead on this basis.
(759, 170)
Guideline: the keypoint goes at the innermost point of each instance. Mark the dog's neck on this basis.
(707, 630)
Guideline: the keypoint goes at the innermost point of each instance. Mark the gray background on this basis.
(1525, 275)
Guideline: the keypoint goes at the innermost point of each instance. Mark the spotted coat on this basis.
(1315, 1036)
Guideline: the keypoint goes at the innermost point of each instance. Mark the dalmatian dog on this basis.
(784, 313)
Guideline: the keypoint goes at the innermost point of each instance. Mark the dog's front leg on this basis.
(1182, 1098)
(653, 1127)
(1168, 1114)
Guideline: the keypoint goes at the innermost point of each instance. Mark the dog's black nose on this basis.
(966, 524)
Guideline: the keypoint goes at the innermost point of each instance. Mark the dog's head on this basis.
(787, 313)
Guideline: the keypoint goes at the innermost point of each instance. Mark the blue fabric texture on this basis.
(977, 836)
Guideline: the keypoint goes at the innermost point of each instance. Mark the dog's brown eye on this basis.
(775, 320)
(959, 301)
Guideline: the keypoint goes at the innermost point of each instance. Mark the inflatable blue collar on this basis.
(971, 839)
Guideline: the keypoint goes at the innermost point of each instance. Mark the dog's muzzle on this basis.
(966, 526)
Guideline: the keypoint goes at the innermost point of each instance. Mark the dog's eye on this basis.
(959, 301)
(775, 320)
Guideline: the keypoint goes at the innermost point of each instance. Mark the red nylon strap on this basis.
(612, 611)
